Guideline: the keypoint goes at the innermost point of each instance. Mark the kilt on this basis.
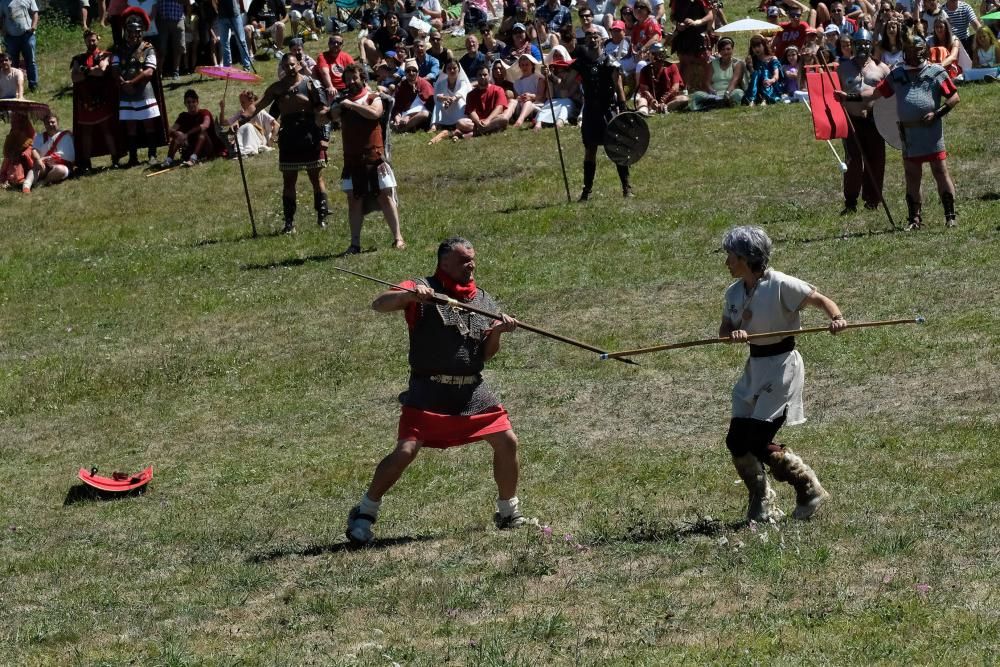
(299, 144)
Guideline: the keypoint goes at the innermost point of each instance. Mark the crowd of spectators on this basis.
(513, 71)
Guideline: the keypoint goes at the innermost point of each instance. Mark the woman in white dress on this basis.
(449, 100)
(254, 136)
(529, 88)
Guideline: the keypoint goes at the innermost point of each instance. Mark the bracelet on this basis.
(941, 110)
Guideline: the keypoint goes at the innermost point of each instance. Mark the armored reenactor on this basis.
(866, 150)
(769, 393)
(924, 95)
(447, 402)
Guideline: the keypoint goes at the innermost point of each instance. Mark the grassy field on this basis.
(140, 325)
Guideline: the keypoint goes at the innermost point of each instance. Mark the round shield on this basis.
(887, 122)
(627, 138)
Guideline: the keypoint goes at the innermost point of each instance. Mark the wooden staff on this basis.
(549, 86)
(792, 332)
(448, 301)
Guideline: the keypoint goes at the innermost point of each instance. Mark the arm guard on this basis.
(942, 110)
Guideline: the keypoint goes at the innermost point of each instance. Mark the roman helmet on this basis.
(915, 51)
(861, 40)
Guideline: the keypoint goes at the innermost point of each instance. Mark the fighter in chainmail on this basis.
(924, 95)
(865, 156)
(447, 402)
(603, 96)
(769, 393)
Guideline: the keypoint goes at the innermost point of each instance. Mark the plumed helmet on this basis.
(135, 17)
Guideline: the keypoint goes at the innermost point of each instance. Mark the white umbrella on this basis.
(748, 25)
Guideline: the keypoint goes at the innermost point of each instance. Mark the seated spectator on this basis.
(603, 11)
(330, 66)
(660, 85)
(256, 136)
(307, 66)
(193, 134)
(945, 48)
(485, 108)
(519, 44)
(439, 50)
(387, 77)
(550, 18)
(429, 67)
(390, 37)
(562, 102)
(303, 12)
(11, 79)
(725, 79)
(620, 48)
(765, 74)
(586, 15)
(432, 12)
(567, 39)
(889, 49)
(791, 71)
(20, 160)
(498, 76)
(645, 33)
(474, 14)
(793, 33)
(489, 45)
(985, 57)
(473, 59)
(414, 101)
(529, 89)
(450, 92)
(55, 153)
(265, 17)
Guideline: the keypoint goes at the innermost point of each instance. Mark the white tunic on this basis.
(770, 386)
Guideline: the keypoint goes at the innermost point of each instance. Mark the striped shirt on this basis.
(960, 18)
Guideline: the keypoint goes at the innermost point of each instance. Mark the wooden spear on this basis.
(792, 332)
(448, 301)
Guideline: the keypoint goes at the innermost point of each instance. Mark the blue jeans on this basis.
(224, 27)
(23, 45)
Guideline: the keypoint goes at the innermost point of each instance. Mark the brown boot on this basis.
(786, 466)
(761, 494)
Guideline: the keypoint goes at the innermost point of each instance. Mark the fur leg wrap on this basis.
(913, 213)
(786, 466)
(752, 472)
(948, 203)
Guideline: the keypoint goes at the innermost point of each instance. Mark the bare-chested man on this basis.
(303, 105)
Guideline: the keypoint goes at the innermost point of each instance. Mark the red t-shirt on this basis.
(335, 66)
(664, 82)
(789, 36)
(188, 121)
(643, 32)
(483, 102)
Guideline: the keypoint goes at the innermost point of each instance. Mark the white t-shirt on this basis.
(64, 149)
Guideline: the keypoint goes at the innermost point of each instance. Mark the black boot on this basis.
(948, 202)
(589, 171)
(913, 220)
(626, 185)
(850, 206)
(288, 206)
(133, 156)
(322, 208)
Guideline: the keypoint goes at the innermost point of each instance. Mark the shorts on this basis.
(386, 179)
(771, 387)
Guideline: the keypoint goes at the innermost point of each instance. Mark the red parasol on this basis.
(20, 105)
(227, 73)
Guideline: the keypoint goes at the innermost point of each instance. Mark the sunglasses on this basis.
(410, 70)
(336, 43)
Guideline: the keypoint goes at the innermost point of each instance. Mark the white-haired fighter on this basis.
(769, 393)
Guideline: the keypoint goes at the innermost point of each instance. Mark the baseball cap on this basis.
(391, 54)
(773, 11)
(618, 25)
(831, 29)
(518, 26)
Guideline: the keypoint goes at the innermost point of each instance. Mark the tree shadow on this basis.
(337, 547)
(299, 261)
(517, 208)
(204, 243)
(81, 493)
(640, 530)
(989, 196)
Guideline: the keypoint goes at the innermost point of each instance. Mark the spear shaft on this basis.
(768, 334)
(448, 301)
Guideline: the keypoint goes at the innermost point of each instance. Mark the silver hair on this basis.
(751, 243)
(450, 244)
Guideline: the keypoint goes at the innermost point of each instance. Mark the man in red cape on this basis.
(447, 402)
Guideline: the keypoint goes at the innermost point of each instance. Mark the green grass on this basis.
(140, 325)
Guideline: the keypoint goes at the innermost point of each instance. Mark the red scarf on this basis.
(466, 292)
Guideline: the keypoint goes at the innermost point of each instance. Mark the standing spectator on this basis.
(11, 79)
(95, 103)
(330, 66)
(692, 19)
(117, 23)
(550, 18)
(170, 17)
(228, 26)
(18, 21)
(964, 23)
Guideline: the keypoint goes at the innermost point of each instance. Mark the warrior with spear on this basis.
(447, 403)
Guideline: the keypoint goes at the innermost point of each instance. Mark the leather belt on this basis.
(460, 380)
(773, 350)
